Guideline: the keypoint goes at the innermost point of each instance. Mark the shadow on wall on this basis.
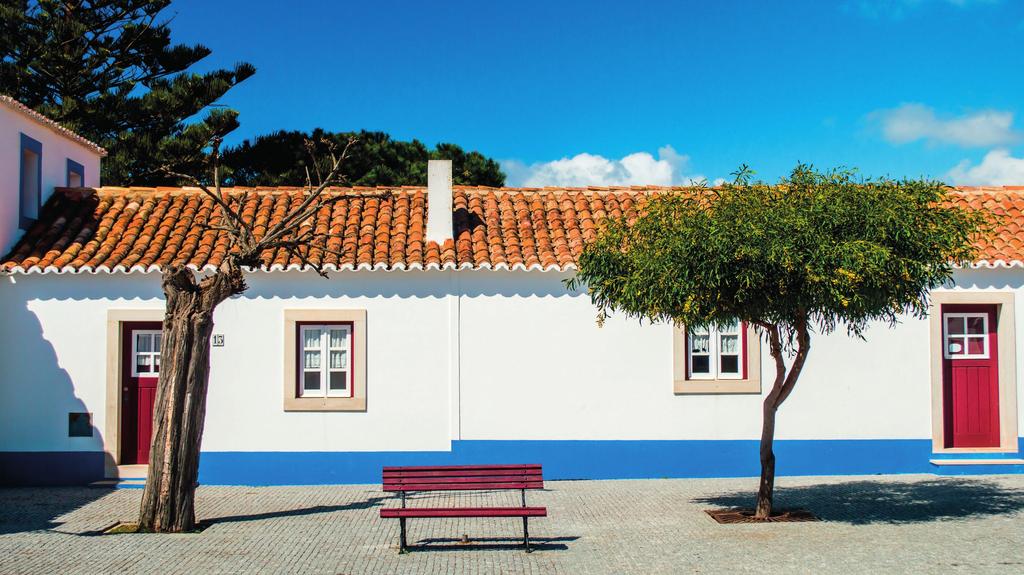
(47, 435)
(896, 502)
(408, 284)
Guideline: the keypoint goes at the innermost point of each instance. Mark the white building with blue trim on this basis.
(446, 334)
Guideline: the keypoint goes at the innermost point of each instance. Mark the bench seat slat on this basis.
(463, 486)
(426, 512)
(473, 479)
(471, 473)
(460, 467)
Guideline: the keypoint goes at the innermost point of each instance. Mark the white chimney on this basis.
(439, 201)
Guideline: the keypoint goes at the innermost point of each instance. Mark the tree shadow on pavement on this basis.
(368, 503)
(868, 502)
(42, 508)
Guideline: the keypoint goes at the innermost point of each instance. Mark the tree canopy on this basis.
(283, 158)
(838, 249)
(107, 70)
(814, 251)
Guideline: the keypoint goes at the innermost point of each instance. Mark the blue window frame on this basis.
(30, 182)
(76, 174)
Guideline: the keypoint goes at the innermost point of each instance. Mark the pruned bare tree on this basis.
(168, 502)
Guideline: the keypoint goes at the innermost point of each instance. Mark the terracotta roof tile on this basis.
(126, 229)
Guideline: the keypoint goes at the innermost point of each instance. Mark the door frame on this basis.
(116, 318)
(1006, 347)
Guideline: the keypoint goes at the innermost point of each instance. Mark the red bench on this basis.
(462, 478)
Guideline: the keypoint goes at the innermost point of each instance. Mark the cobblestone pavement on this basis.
(886, 524)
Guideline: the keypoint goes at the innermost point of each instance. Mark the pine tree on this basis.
(284, 158)
(107, 70)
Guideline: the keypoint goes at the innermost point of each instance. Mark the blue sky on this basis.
(642, 92)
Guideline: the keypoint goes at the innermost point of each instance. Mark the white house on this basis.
(446, 334)
(37, 155)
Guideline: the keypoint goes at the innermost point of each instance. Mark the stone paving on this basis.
(878, 524)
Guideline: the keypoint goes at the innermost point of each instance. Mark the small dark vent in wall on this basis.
(79, 425)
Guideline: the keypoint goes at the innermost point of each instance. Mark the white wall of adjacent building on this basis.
(450, 355)
(56, 150)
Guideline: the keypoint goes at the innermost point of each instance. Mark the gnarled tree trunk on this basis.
(781, 389)
(168, 502)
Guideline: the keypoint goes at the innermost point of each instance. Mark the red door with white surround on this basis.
(970, 374)
(140, 369)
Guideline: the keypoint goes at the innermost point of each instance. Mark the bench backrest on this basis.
(463, 477)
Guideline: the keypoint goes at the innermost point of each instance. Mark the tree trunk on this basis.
(781, 389)
(766, 487)
(168, 502)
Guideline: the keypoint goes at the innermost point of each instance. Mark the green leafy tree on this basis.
(286, 158)
(814, 252)
(107, 70)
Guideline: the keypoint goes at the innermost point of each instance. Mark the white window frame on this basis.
(325, 369)
(715, 354)
(984, 335)
(154, 355)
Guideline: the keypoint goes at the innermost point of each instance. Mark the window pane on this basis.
(730, 344)
(142, 342)
(338, 381)
(699, 343)
(156, 341)
(975, 325)
(311, 380)
(312, 360)
(733, 328)
(311, 338)
(700, 364)
(954, 325)
(730, 364)
(975, 345)
(156, 363)
(338, 338)
(338, 360)
(142, 363)
(955, 346)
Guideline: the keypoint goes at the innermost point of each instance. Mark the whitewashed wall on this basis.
(552, 373)
(55, 349)
(56, 151)
(526, 362)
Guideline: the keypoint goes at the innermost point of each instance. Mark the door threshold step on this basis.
(120, 483)
(977, 461)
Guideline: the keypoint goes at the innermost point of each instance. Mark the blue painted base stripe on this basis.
(51, 467)
(561, 460)
(583, 460)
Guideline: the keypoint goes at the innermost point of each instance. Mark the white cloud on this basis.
(997, 168)
(639, 168)
(912, 122)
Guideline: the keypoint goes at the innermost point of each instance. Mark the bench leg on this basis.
(526, 534)
(402, 547)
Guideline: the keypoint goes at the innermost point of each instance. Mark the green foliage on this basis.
(282, 159)
(107, 70)
(826, 246)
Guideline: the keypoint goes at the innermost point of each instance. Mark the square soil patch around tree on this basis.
(731, 516)
(122, 527)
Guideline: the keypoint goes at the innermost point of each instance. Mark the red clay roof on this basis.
(141, 229)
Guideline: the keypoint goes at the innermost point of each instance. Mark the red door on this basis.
(970, 375)
(140, 369)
